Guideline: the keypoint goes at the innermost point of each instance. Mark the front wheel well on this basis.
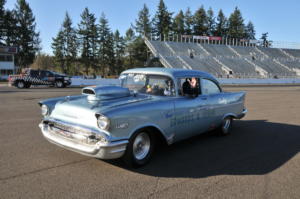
(157, 134)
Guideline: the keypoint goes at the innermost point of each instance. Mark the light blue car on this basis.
(109, 122)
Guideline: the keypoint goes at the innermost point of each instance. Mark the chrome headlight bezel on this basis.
(44, 110)
(103, 122)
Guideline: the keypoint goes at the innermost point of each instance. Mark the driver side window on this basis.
(189, 86)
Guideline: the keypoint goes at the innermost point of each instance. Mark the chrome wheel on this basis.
(20, 84)
(141, 146)
(59, 84)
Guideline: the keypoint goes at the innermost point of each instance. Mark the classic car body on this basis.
(111, 122)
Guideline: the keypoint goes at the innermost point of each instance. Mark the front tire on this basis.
(139, 149)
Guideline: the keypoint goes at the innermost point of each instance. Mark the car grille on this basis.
(73, 133)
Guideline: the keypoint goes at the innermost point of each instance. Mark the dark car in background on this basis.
(39, 77)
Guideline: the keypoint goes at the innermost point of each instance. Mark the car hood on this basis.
(82, 109)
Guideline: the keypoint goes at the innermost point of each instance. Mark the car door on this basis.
(50, 77)
(190, 115)
(43, 77)
(216, 102)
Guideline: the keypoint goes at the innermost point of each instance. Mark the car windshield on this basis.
(150, 84)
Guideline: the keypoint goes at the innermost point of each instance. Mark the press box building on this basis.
(7, 65)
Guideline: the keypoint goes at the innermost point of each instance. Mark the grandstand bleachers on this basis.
(218, 50)
(294, 52)
(238, 65)
(207, 64)
(273, 52)
(244, 51)
(233, 61)
(182, 49)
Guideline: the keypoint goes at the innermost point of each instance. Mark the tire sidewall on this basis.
(129, 157)
(224, 131)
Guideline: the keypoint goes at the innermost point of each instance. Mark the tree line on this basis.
(91, 47)
(18, 28)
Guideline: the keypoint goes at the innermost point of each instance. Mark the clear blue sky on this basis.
(279, 18)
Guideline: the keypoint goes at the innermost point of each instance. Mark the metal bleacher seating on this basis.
(224, 60)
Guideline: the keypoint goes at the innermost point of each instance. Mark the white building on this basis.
(7, 65)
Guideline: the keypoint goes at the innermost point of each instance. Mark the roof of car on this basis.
(175, 72)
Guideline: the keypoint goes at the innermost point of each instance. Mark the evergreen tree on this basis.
(59, 50)
(88, 36)
(236, 25)
(162, 20)
(211, 23)
(139, 50)
(129, 36)
(28, 39)
(135, 50)
(10, 28)
(119, 50)
(178, 24)
(188, 22)
(106, 53)
(65, 46)
(2, 18)
(221, 25)
(2, 10)
(265, 42)
(129, 39)
(200, 22)
(143, 24)
(250, 31)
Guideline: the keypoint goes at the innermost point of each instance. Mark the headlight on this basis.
(103, 122)
(44, 110)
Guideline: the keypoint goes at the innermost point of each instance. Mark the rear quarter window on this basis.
(209, 87)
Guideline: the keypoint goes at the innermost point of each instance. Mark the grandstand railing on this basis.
(224, 41)
(255, 76)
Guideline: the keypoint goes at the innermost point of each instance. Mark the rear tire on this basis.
(226, 126)
(139, 149)
(21, 84)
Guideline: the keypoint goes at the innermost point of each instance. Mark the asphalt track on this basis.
(260, 159)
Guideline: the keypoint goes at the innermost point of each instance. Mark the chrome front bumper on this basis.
(77, 142)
